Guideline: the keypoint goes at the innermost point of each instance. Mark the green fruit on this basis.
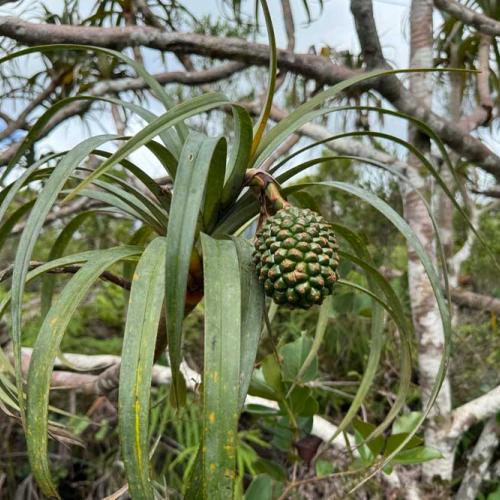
(296, 257)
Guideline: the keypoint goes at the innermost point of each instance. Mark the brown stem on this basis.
(267, 190)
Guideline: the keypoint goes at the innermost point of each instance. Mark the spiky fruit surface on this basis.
(296, 257)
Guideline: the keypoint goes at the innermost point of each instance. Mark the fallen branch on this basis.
(477, 410)
(89, 384)
(479, 461)
(475, 300)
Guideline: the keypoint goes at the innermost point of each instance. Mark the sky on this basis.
(335, 28)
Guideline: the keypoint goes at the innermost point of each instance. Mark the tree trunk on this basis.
(425, 313)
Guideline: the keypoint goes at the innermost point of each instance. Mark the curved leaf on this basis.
(76, 258)
(143, 316)
(8, 225)
(413, 240)
(273, 67)
(299, 116)
(176, 115)
(42, 360)
(30, 234)
(156, 87)
(56, 251)
(240, 155)
(9, 192)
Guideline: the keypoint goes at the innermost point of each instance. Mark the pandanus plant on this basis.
(193, 244)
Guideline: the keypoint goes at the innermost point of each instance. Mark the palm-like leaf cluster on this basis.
(193, 248)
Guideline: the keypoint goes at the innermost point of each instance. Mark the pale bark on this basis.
(162, 375)
(479, 21)
(479, 461)
(89, 384)
(425, 313)
(477, 410)
(481, 115)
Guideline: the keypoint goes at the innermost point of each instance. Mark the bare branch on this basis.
(283, 150)
(148, 14)
(6, 118)
(392, 89)
(71, 269)
(479, 461)
(477, 410)
(209, 75)
(286, 9)
(450, 133)
(120, 123)
(475, 300)
(479, 21)
(310, 66)
(20, 121)
(62, 212)
(482, 114)
(128, 10)
(289, 24)
(162, 375)
(362, 10)
(494, 192)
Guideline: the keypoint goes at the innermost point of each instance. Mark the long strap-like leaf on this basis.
(252, 312)
(222, 349)
(413, 241)
(29, 237)
(177, 114)
(240, 155)
(143, 316)
(42, 360)
(56, 251)
(195, 163)
(221, 373)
